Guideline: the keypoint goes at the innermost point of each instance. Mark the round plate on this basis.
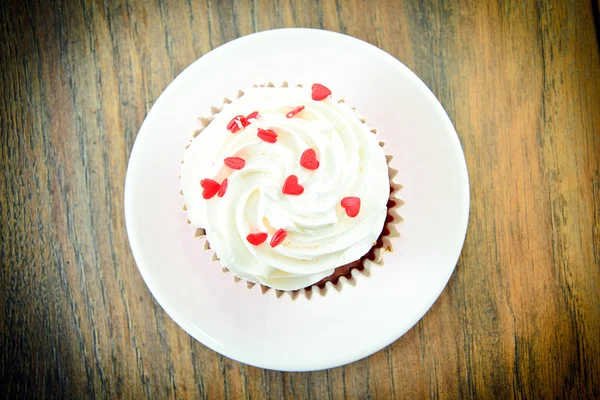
(343, 326)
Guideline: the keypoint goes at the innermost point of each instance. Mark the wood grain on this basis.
(520, 317)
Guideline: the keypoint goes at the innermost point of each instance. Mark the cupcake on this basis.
(290, 188)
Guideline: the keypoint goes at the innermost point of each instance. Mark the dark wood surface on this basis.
(520, 316)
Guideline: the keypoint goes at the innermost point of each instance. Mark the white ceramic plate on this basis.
(323, 332)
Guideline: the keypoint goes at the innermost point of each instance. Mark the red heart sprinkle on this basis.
(309, 159)
(278, 237)
(291, 186)
(256, 238)
(253, 114)
(233, 125)
(351, 205)
(235, 162)
(210, 188)
(319, 92)
(222, 188)
(294, 111)
(268, 135)
(244, 122)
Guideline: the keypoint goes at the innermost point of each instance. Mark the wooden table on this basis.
(520, 316)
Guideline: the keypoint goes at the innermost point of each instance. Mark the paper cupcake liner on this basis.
(372, 259)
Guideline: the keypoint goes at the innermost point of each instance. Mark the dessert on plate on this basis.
(290, 188)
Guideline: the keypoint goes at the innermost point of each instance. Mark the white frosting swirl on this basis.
(320, 235)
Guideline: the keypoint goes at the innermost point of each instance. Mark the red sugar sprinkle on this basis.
(294, 111)
(309, 159)
(278, 237)
(222, 188)
(351, 205)
(235, 162)
(253, 114)
(210, 188)
(320, 92)
(268, 135)
(233, 125)
(256, 238)
(292, 187)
